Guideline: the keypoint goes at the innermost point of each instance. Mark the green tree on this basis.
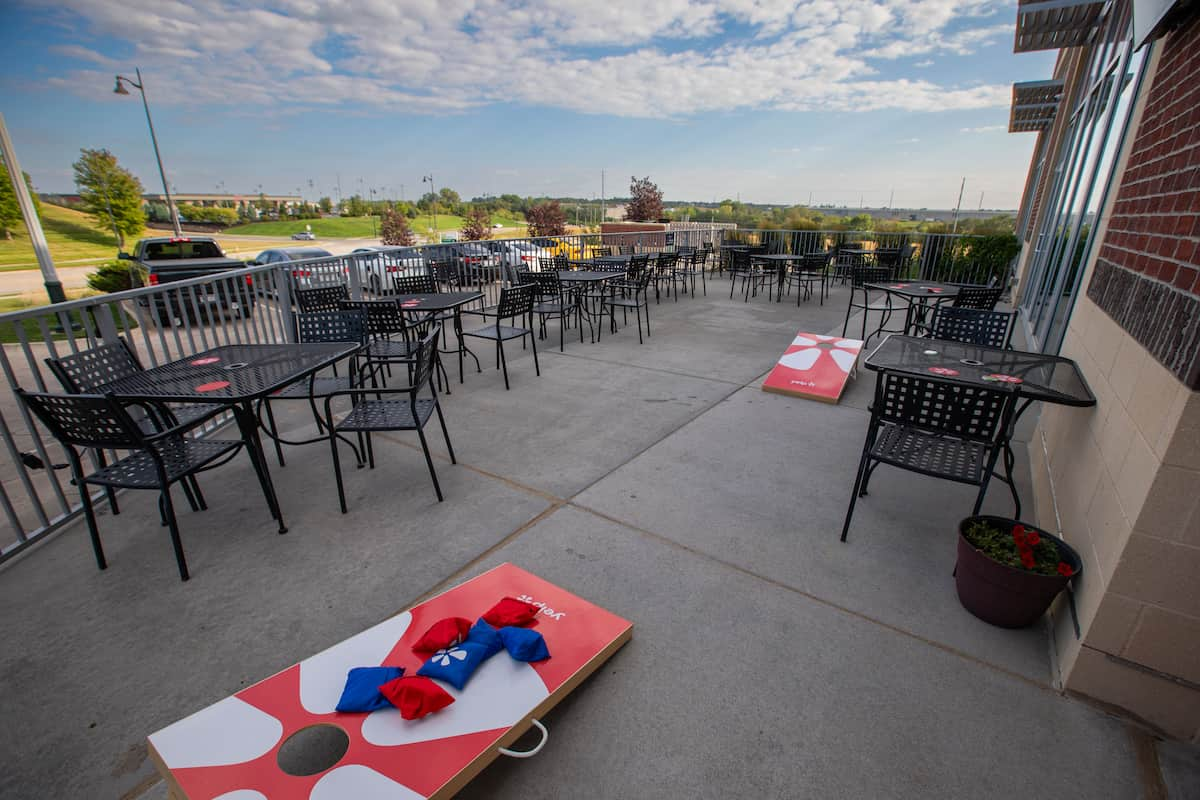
(478, 225)
(326, 204)
(645, 201)
(111, 194)
(394, 230)
(10, 209)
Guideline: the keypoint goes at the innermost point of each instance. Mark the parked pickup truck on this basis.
(164, 260)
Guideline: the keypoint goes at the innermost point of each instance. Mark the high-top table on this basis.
(1034, 376)
(917, 296)
(439, 303)
(237, 376)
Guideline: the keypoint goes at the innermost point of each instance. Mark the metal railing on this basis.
(255, 305)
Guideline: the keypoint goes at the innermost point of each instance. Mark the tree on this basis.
(478, 225)
(546, 219)
(10, 209)
(111, 194)
(645, 201)
(326, 204)
(394, 230)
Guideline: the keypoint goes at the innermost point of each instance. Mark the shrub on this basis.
(115, 276)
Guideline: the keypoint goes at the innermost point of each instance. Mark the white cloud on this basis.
(620, 57)
(984, 129)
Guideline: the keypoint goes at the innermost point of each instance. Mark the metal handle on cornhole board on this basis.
(504, 751)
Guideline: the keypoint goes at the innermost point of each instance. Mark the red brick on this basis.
(1185, 278)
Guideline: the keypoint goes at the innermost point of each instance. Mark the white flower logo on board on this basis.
(844, 352)
(442, 657)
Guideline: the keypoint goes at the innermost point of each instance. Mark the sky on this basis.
(770, 101)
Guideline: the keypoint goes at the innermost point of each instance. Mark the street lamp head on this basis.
(120, 87)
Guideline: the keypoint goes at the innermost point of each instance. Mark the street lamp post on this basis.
(432, 203)
(120, 89)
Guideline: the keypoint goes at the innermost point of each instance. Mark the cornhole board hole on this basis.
(231, 750)
(814, 366)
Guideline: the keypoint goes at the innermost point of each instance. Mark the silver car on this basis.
(378, 265)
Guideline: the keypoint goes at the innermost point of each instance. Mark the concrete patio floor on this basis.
(659, 481)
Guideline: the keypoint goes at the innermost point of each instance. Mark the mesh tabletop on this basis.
(617, 259)
(443, 301)
(915, 290)
(780, 257)
(585, 276)
(229, 374)
(1038, 376)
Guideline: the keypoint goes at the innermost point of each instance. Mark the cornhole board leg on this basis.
(231, 747)
(815, 367)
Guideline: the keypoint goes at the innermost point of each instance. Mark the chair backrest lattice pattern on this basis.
(861, 275)
(957, 409)
(86, 370)
(972, 325)
(980, 297)
(515, 301)
(85, 420)
(426, 359)
(332, 326)
(415, 284)
(322, 298)
(383, 317)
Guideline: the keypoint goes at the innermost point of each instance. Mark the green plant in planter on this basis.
(1020, 549)
(115, 276)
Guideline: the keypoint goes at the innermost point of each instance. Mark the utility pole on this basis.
(981, 201)
(603, 204)
(138, 84)
(54, 287)
(891, 198)
(432, 203)
(958, 207)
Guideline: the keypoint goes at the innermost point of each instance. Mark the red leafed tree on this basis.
(645, 204)
(394, 229)
(546, 219)
(478, 225)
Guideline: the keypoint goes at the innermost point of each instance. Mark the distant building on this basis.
(238, 201)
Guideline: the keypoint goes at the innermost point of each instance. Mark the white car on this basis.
(378, 265)
(515, 254)
(305, 236)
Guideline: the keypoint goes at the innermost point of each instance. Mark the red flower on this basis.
(1018, 534)
(1027, 559)
(1032, 538)
(1065, 569)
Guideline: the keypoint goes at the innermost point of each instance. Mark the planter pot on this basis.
(1003, 595)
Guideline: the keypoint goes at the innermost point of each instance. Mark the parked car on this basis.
(378, 265)
(305, 236)
(303, 277)
(558, 247)
(515, 253)
(167, 259)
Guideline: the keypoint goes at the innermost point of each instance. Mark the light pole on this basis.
(120, 89)
(432, 203)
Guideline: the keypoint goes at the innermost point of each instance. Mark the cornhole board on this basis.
(229, 750)
(814, 366)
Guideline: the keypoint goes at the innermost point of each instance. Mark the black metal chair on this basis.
(415, 284)
(321, 298)
(665, 265)
(972, 325)
(554, 300)
(376, 410)
(321, 326)
(155, 461)
(389, 340)
(686, 271)
(859, 277)
(811, 271)
(631, 292)
(515, 302)
(983, 298)
(934, 427)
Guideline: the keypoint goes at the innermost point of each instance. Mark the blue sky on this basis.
(772, 100)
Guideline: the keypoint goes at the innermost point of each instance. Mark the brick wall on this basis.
(1147, 275)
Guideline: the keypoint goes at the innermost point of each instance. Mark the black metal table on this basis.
(621, 259)
(780, 262)
(442, 302)
(586, 278)
(236, 376)
(1033, 376)
(917, 296)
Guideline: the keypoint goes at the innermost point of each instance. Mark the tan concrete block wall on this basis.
(1121, 481)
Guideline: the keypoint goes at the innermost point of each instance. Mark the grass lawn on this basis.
(72, 236)
(354, 227)
(33, 331)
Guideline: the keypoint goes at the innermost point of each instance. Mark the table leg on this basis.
(462, 344)
(248, 424)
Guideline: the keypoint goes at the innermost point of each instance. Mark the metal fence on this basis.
(255, 305)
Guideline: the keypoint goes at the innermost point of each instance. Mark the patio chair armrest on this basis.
(184, 427)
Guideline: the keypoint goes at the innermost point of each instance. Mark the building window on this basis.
(1097, 111)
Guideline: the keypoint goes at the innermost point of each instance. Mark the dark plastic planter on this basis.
(1003, 595)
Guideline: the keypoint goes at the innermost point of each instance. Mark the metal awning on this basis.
(1034, 105)
(1051, 24)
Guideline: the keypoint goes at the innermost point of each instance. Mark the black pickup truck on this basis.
(164, 260)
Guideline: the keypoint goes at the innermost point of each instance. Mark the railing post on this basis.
(283, 296)
(355, 275)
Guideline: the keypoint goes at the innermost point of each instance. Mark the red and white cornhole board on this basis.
(814, 366)
(228, 751)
